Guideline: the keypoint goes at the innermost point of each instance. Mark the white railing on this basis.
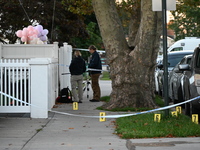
(15, 83)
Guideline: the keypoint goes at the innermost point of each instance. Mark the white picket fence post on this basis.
(65, 57)
(39, 87)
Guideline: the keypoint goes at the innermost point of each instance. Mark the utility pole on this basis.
(164, 5)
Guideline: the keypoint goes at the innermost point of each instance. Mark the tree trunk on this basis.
(131, 70)
(134, 23)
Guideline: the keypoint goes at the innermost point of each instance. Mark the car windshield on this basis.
(174, 59)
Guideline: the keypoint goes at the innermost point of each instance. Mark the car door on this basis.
(175, 88)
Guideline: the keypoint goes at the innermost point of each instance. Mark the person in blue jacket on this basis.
(77, 68)
(96, 66)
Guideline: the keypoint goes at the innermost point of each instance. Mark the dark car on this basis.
(191, 83)
(173, 59)
(175, 78)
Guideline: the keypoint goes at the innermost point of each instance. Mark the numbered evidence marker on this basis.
(75, 105)
(157, 117)
(174, 113)
(102, 116)
(178, 109)
(195, 118)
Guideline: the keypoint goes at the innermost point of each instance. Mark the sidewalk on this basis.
(62, 132)
(65, 132)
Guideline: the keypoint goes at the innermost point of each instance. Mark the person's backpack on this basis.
(65, 96)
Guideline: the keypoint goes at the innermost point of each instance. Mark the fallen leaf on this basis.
(169, 135)
(65, 130)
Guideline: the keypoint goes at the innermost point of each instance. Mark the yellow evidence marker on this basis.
(195, 118)
(178, 109)
(102, 118)
(174, 113)
(75, 105)
(157, 117)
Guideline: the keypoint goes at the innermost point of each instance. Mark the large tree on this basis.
(132, 64)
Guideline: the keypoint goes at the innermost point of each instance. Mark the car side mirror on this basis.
(184, 67)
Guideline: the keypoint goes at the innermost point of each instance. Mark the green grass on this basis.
(144, 126)
(105, 75)
(159, 101)
(105, 98)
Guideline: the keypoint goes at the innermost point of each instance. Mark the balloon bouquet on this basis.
(33, 35)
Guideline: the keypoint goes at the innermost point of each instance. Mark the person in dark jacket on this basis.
(77, 68)
(96, 67)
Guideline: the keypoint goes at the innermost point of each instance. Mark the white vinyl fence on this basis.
(30, 76)
(65, 58)
(14, 83)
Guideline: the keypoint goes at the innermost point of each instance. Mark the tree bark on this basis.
(131, 70)
(134, 22)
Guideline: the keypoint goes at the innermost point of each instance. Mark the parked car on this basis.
(191, 83)
(175, 78)
(173, 59)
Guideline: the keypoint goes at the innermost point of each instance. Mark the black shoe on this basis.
(80, 102)
(94, 100)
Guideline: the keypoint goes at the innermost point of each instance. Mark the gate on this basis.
(14, 86)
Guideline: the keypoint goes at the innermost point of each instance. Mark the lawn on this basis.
(144, 126)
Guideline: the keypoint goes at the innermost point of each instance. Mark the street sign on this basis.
(157, 5)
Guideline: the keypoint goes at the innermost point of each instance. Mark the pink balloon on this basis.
(24, 32)
(24, 39)
(35, 31)
(19, 33)
(35, 36)
(30, 33)
(30, 28)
